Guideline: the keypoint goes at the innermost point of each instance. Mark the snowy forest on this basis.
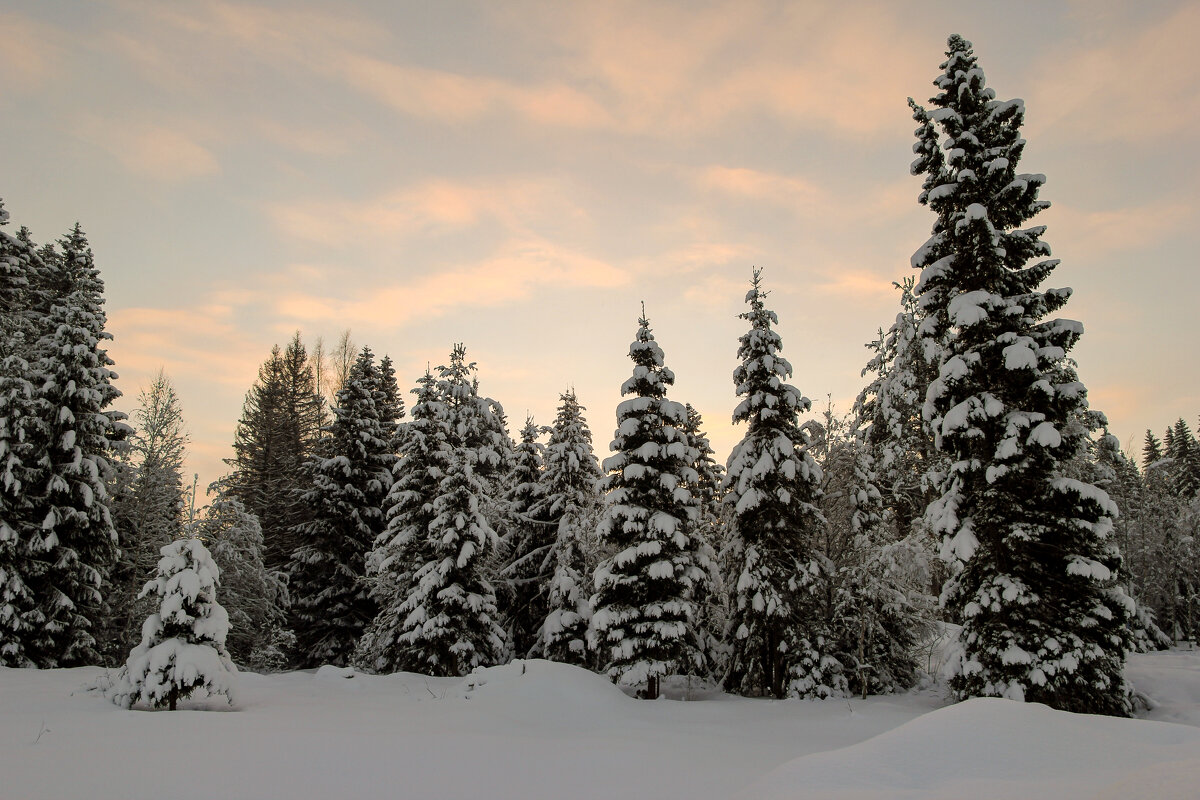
(361, 524)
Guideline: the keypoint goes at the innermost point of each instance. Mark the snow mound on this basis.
(991, 748)
(329, 672)
(1170, 684)
(544, 690)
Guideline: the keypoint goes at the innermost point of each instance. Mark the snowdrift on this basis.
(990, 748)
(534, 729)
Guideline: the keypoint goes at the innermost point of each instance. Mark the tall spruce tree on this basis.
(645, 617)
(1185, 453)
(1152, 449)
(17, 267)
(17, 454)
(69, 536)
(278, 431)
(350, 477)
(780, 643)
(1043, 617)
(390, 404)
(570, 505)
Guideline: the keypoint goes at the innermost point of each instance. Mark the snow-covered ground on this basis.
(541, 730)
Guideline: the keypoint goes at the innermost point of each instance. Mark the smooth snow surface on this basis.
(535, 729)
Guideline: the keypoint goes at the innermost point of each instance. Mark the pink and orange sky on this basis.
(519, 176)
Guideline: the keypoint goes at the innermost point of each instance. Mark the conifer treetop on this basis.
(761, 376)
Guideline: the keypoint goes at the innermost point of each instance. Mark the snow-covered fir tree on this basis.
(522, 587)
(255, 598)
(644, 622)
(182, 653)
(1043, 617)
(570, 505)
(350, 476)
(780, 644)
(68, 533)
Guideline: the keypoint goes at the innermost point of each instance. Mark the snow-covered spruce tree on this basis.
(906, 463)
(709, 476)
(350, 477)
(72, 542)
(876, 599)
(521, 591)
(1135, 530)
(1184, 451)
(1043, 617)
(147, 508)
(182, 652)
(17, 267)
(711, 529)
(405, 541)
(644, 622)
(1165, 550)
(443, 620)
(17, 453)
(780, 643)
(571, 503)
(255, 598)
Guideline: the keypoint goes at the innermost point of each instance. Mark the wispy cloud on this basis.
(671, 67)
(29, 54)
(206, 339)
(1134, 86)
(449, 97)
(430, 207)
(1093, 233)
(514, 273)
(651, 70)
(151, 150)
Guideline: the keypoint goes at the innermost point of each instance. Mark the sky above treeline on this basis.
(520, 176)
